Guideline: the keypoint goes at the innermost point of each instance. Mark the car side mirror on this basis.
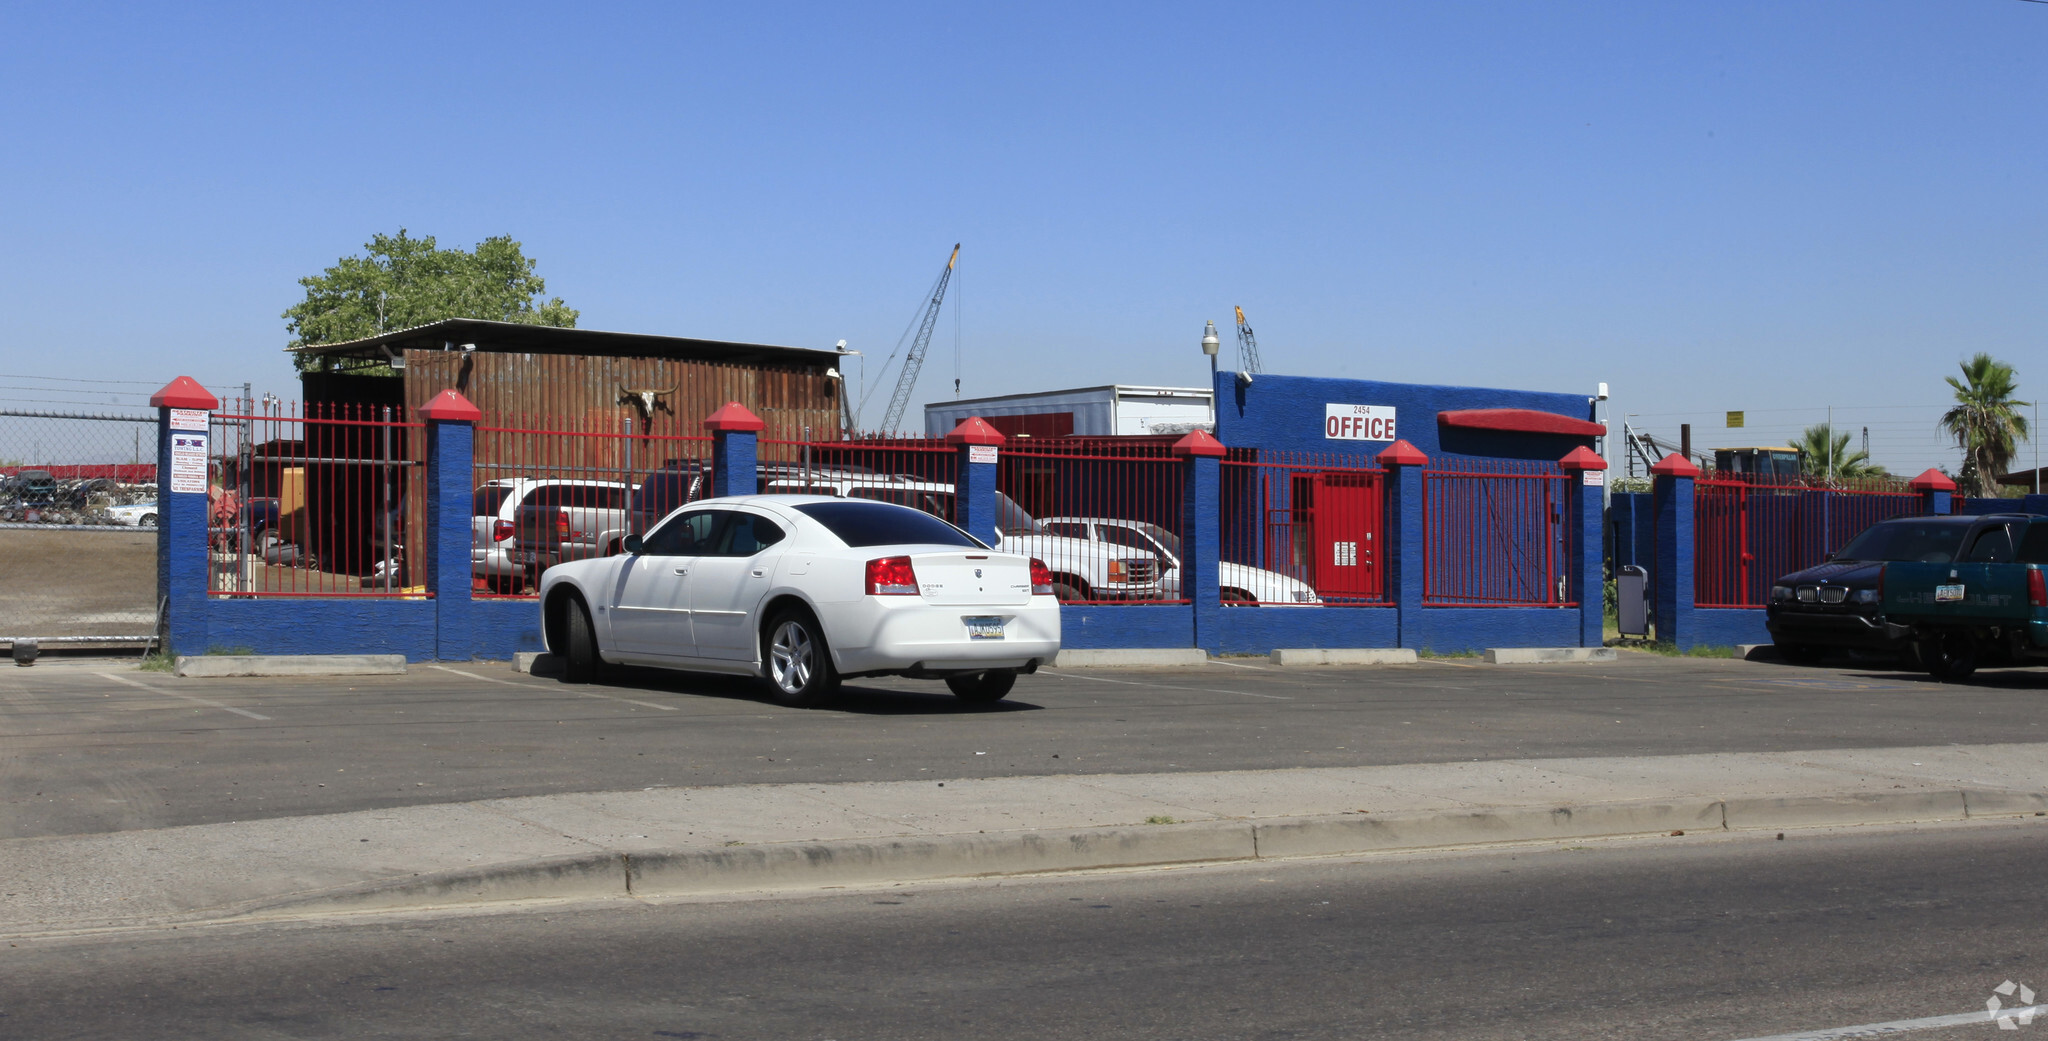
(632, 544)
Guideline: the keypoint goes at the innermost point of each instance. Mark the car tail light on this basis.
(891, 576)
(561, 524)
(1041, 578)
(2037, 588)
(501, 531)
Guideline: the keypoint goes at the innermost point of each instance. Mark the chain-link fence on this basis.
(77, 527)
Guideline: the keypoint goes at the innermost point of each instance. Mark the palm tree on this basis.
(1986, 423)
(1820, 444)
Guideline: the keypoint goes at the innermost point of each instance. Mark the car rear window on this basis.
(860, 523)
(1930, 542)
(487, 499)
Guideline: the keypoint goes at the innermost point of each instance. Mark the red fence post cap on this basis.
(451, 406)
(1198, 443)
(1582, 458)
(184, 392)
(1932, 480)
(734, 416)
(1401, 453)
(1674, 465)
(975, 430)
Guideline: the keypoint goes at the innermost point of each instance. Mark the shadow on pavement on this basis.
(854, 696)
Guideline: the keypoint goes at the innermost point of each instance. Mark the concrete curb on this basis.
(771, 866)
(218, 665)
(536, 663)
(1548, 655)
(1130, 656)
(1344, 656)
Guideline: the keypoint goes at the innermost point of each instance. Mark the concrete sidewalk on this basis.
(673, 841)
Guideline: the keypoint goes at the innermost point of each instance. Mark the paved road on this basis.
(87, 749)
(1712, 940)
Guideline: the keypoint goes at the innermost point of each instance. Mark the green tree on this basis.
(1986, 423)
(1820, 444)
(404, 281)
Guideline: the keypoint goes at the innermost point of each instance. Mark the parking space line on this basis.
(186, 697)
(1901, 1026)
(1164, 686)
(1238, 665)
(537, 686)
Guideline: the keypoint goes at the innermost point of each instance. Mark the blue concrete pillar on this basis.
(735, 466)
(451, 439)
(974, 497)
(1671, 577)
(1403, 551)
(183, 408)
(1937, 492)
(1588, 497)
(1201, 534)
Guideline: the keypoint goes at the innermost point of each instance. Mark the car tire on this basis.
(1950, 655)
(982, 688)
(1064, 592)
(147, 520)
(1237, 598)
(579, 658)
(505, 585)
(796, 659)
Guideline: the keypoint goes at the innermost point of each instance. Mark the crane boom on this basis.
(914, 361)
(1247, 346)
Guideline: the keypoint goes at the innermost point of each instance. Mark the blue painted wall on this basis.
(1286, 413)
(1104, 626)
(1258, 630)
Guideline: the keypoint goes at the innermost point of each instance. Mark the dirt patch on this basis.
(77, 583)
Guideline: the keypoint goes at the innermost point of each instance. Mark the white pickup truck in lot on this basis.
(1237, 583)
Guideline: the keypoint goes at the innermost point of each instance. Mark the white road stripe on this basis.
(187, 697)
(1899, 1026)
(537, 686)
(1440, 661)
(1163, 686)
(1238, 665)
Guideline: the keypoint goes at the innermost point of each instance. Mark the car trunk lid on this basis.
(960, 577)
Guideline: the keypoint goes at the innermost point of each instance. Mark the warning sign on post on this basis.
(188, 419)
(981, 453)
(188, 461)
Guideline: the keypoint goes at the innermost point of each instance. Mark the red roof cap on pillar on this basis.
(975, 430)
(1401, 453)
(1932, 480)
(1198, 443)
(184, 392)
(1674, 465)
(1582, 458)
(734, 416)
(451, 406)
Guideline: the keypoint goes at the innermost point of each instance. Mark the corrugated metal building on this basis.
(1111, 411)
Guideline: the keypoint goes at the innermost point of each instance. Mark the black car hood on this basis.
(1837, 572)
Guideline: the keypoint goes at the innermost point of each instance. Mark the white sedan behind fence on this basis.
(804, 590)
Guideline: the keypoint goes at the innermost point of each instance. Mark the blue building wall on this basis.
(1286, 414)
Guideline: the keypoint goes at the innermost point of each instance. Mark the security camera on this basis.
(468, 348)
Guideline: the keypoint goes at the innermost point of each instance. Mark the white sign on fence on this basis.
(188, 461)
(981, 453)
(1358, 422)
(1594, 478)
(188, 419)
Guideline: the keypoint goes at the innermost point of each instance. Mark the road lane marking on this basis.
(1163, 686)
(1439, 661)
(187, 697)
(1898, 1026)
(1239, 665)
(537, 686)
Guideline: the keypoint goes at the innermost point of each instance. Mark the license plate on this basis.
(1947, 594)
(984, 627)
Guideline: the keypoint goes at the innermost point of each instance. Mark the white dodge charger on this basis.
(804, 590)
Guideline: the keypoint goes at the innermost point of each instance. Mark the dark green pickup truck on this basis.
(1989, 606)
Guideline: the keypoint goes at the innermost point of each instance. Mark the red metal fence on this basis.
(1748, 529)
(1103, 514)
(1303, 528)
(324, 503)
(919, 472)
(1496, 535)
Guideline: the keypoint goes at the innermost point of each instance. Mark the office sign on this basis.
(1359, 423)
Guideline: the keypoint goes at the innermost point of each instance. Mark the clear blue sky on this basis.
(1759, 206)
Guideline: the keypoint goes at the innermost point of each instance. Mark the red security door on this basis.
(1345, 526)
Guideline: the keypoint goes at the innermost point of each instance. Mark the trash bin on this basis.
(1632, 600)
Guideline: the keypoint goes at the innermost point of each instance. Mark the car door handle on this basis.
(682, 571)
(758, 572)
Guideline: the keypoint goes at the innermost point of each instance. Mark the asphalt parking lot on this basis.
(91, 747)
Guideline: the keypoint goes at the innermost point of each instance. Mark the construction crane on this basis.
(1247, 350)
(914, 361)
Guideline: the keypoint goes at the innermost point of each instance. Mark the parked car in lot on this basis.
(1853, 599)
(141, 514)
(1988, 607)
(803, 591)
(521, 526)
(1238, 583)
(1081, 569)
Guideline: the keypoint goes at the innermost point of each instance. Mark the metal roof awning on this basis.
(514, 338)
(1519, 421)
